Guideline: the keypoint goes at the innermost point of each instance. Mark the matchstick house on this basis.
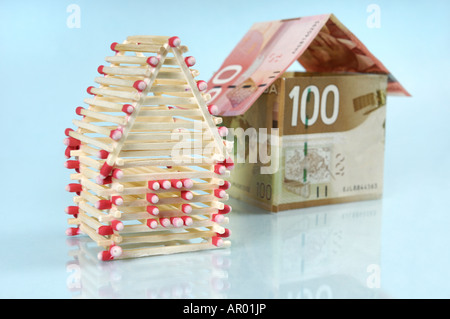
(149, 160)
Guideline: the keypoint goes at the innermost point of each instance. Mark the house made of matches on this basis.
(149, 156)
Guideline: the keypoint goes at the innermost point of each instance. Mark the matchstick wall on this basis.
(149, 158)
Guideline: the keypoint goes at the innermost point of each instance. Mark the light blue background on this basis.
(45, 68)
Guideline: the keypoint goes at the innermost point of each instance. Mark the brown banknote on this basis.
(319, 43)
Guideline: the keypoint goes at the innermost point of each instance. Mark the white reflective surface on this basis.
(367, 249)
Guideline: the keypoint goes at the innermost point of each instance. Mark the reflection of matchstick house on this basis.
(142, 187)
(176, 276)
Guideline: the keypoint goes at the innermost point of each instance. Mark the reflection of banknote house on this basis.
(327, 123)
(321, 253)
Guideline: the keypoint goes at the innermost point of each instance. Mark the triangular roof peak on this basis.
(158, 93)
(319, 43)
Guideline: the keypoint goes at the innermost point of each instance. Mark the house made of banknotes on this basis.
(304, 138)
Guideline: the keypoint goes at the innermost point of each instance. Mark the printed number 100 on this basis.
(263, 191)
(320, 104)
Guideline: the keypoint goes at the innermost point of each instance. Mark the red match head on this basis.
(74, 188)
(113, 46)
(217, 218)
(73, 231)
(105, 170)
(153, 185)
(105, 230)
(67, 131)
(117, 173)
(190, 61)
(152, 223)
(186, 208)
(72, 164)
(223, 131)
(217, 241)
(67, 152)
(100, 70)
(187, 195)
(115, 250)
(187, 182)
(140, 85)
(225, 234)
(89, 90)
(105, 255)
(72, 210)
(116, 134)
(165, 184)
(213, 109)
(220, 193)
(102, 154)
(229, 163)
(174, 42)
(152, 198)
(128, 109)
(220, 169)
(176, 222)
(71, 142)
(202, 85)
(153, 210)
(187, 221)
(226, 185)
(117, 225)
(101, 180)
(226, 209)
(103, 204)
(117, 200)
(165, 222)
(153, 61)
(176, 183)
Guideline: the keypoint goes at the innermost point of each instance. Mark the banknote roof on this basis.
(320, 43)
